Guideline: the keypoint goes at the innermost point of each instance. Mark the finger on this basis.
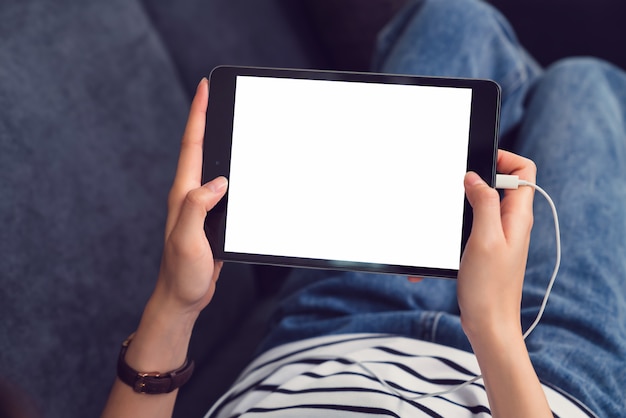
(485, 202)
(509, 163)
(414, 279)
(517, 205)
(196, 204)
(189, 171)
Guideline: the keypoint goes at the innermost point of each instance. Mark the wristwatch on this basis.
(151, 383)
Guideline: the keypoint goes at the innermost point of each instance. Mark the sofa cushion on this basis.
(202, 34)
(91, 114)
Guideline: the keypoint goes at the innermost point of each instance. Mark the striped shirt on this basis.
(338, 376)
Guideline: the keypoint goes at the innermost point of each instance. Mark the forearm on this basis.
(160, 344)
(513, 387)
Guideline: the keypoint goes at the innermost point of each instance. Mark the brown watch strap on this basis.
(154, 382)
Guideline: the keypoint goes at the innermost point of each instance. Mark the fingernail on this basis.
(218, 184)
(200, 83)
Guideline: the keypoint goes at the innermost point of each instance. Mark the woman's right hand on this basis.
(489, 290)
(492, 269)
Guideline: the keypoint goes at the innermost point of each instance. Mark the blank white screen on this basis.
(348, 171)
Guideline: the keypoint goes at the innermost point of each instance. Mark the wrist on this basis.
(502, 349)
(154, 382)
(182, 298)
(168, 309)
(161, 340)
(495, 333)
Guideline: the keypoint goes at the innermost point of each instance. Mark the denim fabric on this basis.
(571, 120)
(575, 131)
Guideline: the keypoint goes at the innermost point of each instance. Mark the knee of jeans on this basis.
(593, 86)
(577, 65)
(577, 112)
(463, 38)
(583, 75)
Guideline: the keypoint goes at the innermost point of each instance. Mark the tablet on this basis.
(348, 171)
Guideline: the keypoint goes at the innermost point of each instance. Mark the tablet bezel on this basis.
(482, 154)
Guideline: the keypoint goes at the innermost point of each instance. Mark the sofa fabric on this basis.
(88, 132)
(200, 35)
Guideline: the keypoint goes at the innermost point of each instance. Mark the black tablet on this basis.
(350, 171)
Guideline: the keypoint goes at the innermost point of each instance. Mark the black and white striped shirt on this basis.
(335, 376)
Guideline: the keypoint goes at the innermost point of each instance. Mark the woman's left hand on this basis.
(188, 271)
(186, 280)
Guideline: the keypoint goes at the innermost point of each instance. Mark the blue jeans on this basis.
(571, 120)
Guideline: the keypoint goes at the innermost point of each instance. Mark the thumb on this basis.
(485, 202)
(196, 205)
